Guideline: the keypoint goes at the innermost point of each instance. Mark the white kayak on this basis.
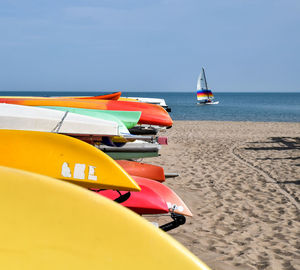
(157, 101)
(19, 117)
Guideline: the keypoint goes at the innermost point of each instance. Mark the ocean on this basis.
(258, 107)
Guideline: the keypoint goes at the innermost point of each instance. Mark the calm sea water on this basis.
(263, 107)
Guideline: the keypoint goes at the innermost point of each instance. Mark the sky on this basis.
(149, 45)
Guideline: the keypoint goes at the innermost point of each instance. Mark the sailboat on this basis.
(204, 95)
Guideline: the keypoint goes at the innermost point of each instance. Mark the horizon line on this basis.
(137, 91)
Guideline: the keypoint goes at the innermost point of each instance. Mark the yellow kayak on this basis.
(50, 224)
(62, 157)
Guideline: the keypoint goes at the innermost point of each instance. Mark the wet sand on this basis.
(241, 180)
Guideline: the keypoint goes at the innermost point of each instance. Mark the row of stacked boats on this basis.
(86, 220)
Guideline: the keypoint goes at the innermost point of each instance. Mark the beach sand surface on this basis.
(241, 180)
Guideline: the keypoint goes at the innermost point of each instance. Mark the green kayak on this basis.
(132, 150)
(128, 118)
(131, 155)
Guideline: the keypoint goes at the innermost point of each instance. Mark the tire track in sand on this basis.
(264, 174)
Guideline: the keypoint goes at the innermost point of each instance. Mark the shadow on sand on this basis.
(286, 143)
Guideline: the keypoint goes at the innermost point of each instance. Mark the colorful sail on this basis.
(203, 93)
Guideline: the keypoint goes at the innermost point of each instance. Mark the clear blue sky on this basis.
(150, 45)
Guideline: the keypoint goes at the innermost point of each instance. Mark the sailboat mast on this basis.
(204, 77)
(205, 82)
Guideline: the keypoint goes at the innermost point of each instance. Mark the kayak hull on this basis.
(132, 150)
(151, 114)
(112, 96)
(129, 119)
(62, 157)
(174, 202)
(50, 224)
(142, 169)
(146, 201)
(95, 114)
(131, 155)
(40, 119)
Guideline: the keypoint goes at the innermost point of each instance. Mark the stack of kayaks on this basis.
(86, 141)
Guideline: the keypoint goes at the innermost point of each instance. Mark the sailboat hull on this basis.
(208, 103)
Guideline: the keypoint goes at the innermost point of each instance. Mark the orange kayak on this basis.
(151, 114)
(142, 169)
(112, 96)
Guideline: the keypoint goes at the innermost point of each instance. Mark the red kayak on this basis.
(154, 198)
(174, 202)
(151, 114)
(142, 169)
(147, 201)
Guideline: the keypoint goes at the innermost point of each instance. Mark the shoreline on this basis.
(241, 182)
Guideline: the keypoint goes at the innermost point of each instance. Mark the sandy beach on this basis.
(241, 180)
